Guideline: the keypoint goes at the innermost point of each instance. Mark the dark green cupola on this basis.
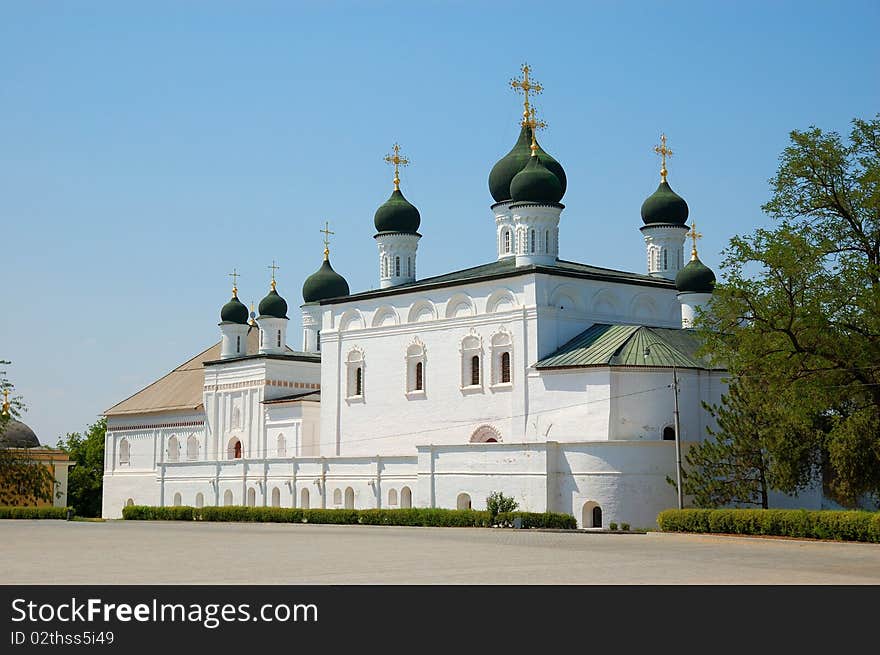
(397, 214)
(696, 277)
(324, 283)
(536, 183)
(234, 311)
(664, 206)
(502, 173)
(273, 305)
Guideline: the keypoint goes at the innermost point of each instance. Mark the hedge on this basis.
(35, 512)
(821, 524)
(416, 516)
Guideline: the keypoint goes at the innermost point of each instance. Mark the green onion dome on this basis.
(324, 283)
(273, 305)
(513, 162)
(664, 206)
(696, 277)
(397, 215)
(234, 311)
(15, 434)
(536, 183)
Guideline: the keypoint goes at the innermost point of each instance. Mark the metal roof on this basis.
(630, 345)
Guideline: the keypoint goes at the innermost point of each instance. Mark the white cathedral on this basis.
(547, 380)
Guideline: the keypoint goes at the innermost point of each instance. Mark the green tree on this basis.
(86, 479)
(23, 480)
(497, 503)
(799, 309)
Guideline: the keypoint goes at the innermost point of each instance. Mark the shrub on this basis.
(612, 525)
(818, 524)
(34, 512)
(624, 527)
(497, 503)
(416, 516)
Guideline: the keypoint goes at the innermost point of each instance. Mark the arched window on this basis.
(129, 502)
(392, 497)
(506, 241)
(471, 358)
(319, 340)
(547, 241)
(237, 345)
(463, 501)
(669, 433)
(406, 498)
(124, 452)
(349, 498)
(192, 447)
(591, 515)
(276, 497)
(200, 499)
(279, 338)
(251, 497)
(233, 450)
(486, 434)
(178, 501)
(227, 498)
(501, 358)
(261, 338)
(304, 499)
(173, 449)
(409, 266)
(415, 367)
(397, 266)
(665, 259)
(505, 367)
(281, 450)
(532, 241)
(355, 365)
(337, 497)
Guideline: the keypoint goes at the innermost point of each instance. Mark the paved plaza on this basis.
(120, 552)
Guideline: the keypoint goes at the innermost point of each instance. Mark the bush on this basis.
(497, 503)
(35, 512)
(416, 516)
(624, 527)
(818, 524)
(612, 525)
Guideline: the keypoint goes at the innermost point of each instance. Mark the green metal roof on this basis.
(630, 345)
(507, 268)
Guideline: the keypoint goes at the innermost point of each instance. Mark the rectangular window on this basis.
(237, 344)
(279, 338)
(397, 266)
(505, 367)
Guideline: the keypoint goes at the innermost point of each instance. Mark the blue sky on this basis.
(146, 149)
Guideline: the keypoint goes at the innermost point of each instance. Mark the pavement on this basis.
(146, 552)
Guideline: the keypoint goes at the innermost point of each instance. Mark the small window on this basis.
(397, 266)
(337, 497)
(463, 501)
(319, 340)
(234, 451)
(173, 449)
(261, 338)
(200, 499)
(506, 241)
(279, 338)
(124, 452)
(355, 374)
(547, 241)
(475, 370)
(192, 447)
(533, 241)
(419, 381)
(665, 260)
(409, 266)
(178, 501)
(669, 433)
(392, 497)
(405, 498)
(505, 367)
(358, 381)
(237, 344)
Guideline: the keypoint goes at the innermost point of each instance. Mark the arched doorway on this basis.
(200, 499)
(276, 497)
(463, 501)
(304, 499)
(591, 515)
(405, 498)
(349, 498)
(251, 497)
(669, 433)
(178, 501)
(227, 498)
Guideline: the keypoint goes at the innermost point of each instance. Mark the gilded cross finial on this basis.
(274, 268)
(526, 85)
(234, 275)
(664, 152)
(326, 231)
(253, 313)
(694, 235)
(5, 411)
(397, 160)
(536, 125)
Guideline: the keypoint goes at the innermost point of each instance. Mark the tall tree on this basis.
(86, 479)
(23, 481)
(799, 309)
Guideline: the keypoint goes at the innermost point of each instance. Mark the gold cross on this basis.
(664, 152)
(536, 125)
(327, 234)
(398, 161)
(5, 411)
(274, 268)
(526, 86)
(693, 234)
(234, 275)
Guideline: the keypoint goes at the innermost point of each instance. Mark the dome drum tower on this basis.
(397, 222)
(273, 321)
(233, 325)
